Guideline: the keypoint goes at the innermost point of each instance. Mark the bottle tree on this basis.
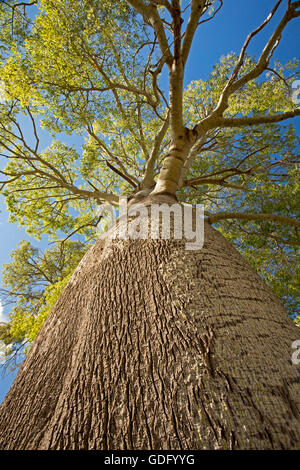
(149, 345)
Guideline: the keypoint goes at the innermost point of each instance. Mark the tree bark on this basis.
(151, 346)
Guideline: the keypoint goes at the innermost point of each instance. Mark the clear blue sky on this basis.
(226, 33)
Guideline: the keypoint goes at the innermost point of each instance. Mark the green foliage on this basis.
(266, 95)
(32, 283)
(70, 68)
(15, 26)
(24, 324)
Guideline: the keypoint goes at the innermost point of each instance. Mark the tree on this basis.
(151, 345)
(32, 284)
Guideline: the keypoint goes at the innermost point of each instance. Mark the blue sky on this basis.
(226, 33)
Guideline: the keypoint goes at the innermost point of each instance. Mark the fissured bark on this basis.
(151, 346)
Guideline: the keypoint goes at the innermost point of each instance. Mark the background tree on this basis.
(97, 69)
(32, 283)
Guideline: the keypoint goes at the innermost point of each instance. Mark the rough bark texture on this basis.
(151, 346)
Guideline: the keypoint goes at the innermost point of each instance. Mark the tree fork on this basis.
(172, 168)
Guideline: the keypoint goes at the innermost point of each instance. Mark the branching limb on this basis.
(217, 182)
(150, 14)
(163, 3)
(14, 8)
(258, 217)
(240, 61)
(91, 224)
(191, 158)
(123, 172)
(213, 15)
(148, 179)
(45, 169)
(253, 121)
(234, 83)
(197, 10)
(267, 235)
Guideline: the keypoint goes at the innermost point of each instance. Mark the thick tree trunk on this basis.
(151, 346)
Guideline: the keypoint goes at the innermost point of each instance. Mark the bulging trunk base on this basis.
(151, 346)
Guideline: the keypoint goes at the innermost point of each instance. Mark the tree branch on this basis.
(258, 217)
(148, 179)
(197, 9)
(234, 84)
(216, 181)
(150, 14)
(253, 121)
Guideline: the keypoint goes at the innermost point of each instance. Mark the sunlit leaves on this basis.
(32, 283)
(269, 94)
(74, 55)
